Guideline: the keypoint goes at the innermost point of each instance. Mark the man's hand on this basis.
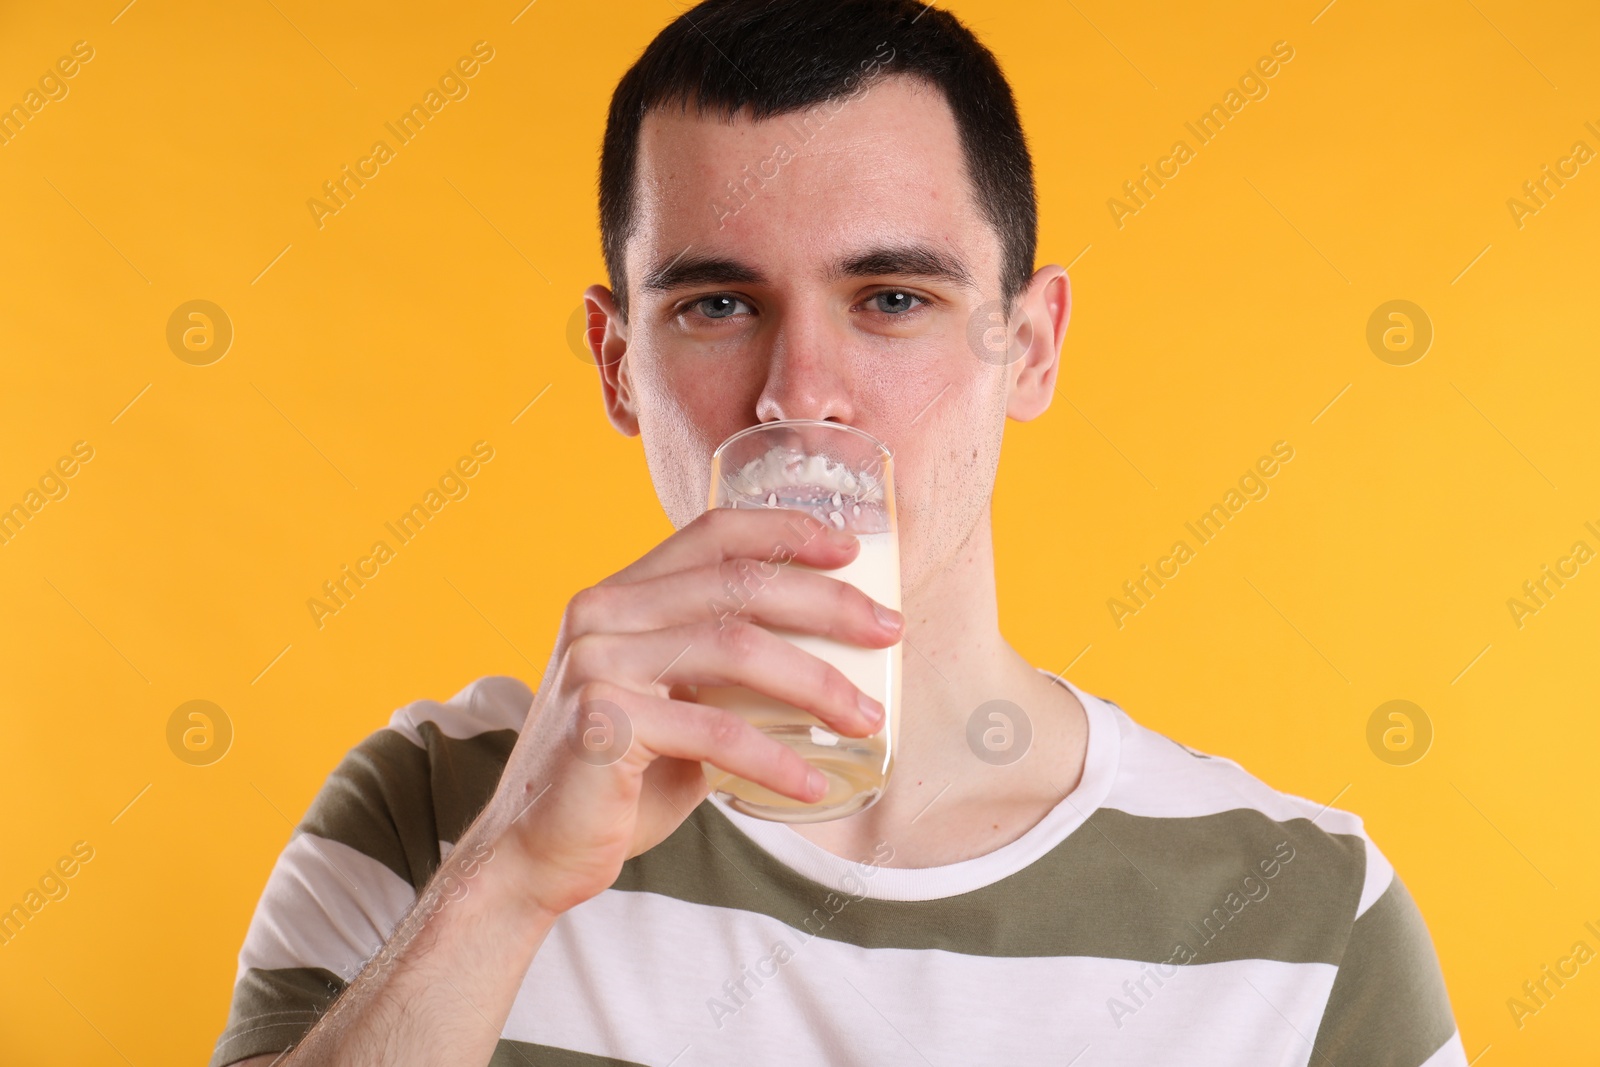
(566, 816)
(627, 654)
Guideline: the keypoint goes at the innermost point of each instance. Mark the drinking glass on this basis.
(837, 476)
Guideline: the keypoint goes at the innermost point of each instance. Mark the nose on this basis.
(808, 373)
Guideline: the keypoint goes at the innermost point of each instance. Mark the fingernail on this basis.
(870, 708)
(816, 783)
(888, 618)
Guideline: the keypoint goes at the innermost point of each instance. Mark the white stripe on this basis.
(1160, 779)
(632, 975)
(325, 905)
(494, 702)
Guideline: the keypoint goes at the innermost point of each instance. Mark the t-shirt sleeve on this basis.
(1389, 1006)
(341, 885)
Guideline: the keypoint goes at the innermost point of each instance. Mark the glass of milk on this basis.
(831, 476)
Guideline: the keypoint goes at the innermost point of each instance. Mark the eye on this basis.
(894, 301)
(719, 306)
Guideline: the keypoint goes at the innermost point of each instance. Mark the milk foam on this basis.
(830, 491)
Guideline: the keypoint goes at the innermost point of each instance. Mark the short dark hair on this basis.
(776, 57)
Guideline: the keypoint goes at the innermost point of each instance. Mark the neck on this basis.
(953, 657)
(942, 798)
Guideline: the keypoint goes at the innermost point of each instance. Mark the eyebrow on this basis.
(910, 260)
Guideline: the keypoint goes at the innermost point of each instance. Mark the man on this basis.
(806, 206)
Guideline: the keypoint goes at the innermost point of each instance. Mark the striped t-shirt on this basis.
(1170, 909)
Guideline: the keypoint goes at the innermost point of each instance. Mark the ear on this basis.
(1037, 328)
(606, 336)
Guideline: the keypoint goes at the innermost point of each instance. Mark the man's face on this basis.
(843, 286)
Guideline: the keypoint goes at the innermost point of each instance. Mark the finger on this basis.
(701, 733)
(755, 533)
(786, 597)
(738, 653)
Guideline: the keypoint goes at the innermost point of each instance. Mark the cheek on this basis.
(683, 416)
(678, 460)
(689, 409)
(969, 411)
(947, 464)
(945, 429)
(701, 389)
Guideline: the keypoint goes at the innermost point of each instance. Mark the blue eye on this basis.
(894, 303)
(718, 307)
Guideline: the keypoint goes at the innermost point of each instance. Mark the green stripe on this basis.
(1121, 886)
(394, 801)
(508, 1053)
(274, 1009)
(1389, 1006)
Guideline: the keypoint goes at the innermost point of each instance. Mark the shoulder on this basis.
(373, 836)
(1210, 806)
(491, 704)
(422, 778)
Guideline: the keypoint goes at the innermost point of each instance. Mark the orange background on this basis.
(368, 355)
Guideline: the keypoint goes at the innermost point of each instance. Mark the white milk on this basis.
(854, 766)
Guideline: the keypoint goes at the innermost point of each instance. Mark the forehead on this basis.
(803, 187)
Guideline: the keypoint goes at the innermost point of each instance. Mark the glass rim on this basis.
(886, 452)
